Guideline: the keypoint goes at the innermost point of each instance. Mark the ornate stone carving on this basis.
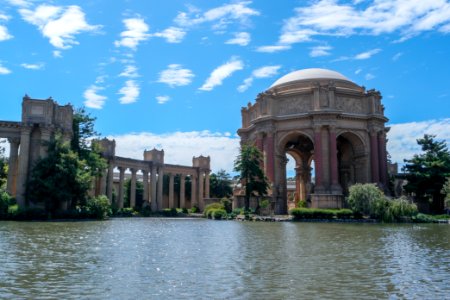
(351, 105)
(294, 105)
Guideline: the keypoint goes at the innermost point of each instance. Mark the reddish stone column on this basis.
(270, 157)
(382, 158)
(333, 158)
(374, 157)
(318, 156)
(260, 145)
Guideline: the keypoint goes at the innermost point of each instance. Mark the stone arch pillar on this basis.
(12, 163)
(133, 188)
(24, 156)
(171, 190)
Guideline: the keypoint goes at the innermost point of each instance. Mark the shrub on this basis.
(422, 218)
(227, 204)
(219, 214)
(31, 213)
(125, 212)
(366, 199)
(5, 202)
(344, 213)
(212, 206)
(402, 208)
(301, 203)
(301, 213)
(169, 212)
(185, 210)
(99, 207)
(194, 209)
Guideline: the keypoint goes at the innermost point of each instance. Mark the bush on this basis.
(5, 202)
(209, 207)
(219, 214)
(301, 203)
(344, 213)
(402, 208)
(184, 210)
(99, 207)
(31, 213)
(125, 212)
(194, 209)
(169, 212)
(366, 199)
(227, 204)
(422, 218)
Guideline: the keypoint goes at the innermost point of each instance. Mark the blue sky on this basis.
(174, 74)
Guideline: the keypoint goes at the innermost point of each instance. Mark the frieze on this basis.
(351, 105)
(294, 105)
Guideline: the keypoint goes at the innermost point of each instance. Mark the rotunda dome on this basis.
(309, 74)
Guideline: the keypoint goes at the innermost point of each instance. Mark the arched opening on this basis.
(351, 160)
(298, 149)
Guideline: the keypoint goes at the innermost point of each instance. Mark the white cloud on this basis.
(367, 54)
(273, 48)
(4, 70)
(222, 72)
(171, 34)
(397, 56)
(175, 75)
(93, 99)
(369, 76)
(180, 147)
(403, 137)
(222, 15)
(130, 92)
(57, 54)
(263, 72)
(21, 3)
(37, 66)
(332, 18)
(162, 99)
(358, 71)
(137, 31)
(130, 72)
(240, 38)
(320, 51)
(59, 24)
(4, 34)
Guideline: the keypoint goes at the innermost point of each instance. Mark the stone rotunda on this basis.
(333, 128)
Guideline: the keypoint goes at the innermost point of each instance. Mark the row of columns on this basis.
(153, 190)
(378, 157)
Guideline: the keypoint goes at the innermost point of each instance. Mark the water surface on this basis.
(153, 258)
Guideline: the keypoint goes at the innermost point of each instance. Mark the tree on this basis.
(220, 184)
(248, 164)
(426, 173)
(60, 176)
(446, 192)
(3, 168)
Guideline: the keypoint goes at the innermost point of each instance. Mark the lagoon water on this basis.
(152, 258)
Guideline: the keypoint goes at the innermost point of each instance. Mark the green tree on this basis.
(446, 192)
(366, 199)
(220, 184)
(3, 167)
(60, 176)
(426, 173)
(248, 164)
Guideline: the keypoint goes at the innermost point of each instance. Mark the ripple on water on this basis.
(186, 259)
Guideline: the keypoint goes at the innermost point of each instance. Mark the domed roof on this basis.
(308, 74)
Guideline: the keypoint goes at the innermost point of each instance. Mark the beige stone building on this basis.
(325, 122)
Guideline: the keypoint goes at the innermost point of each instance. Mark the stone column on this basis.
(22, 172)
(374, 163)
(45, 138)
(121, 180)
(269, 141)
(154, 203)
(102, 190)
(171, 190)
(318, 158)
(298, 184)
(200, 190)
(12, 165)
(207, 184)
(109, 187)
(335, 187)
(133, 188)
(145, 183)
(182, 191)
(159, 197)
(383, 159)
(194, 199)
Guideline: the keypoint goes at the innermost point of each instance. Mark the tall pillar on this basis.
(171, 190)
(374, 162)
(200, 190)
(154, 202)
(45, 138)
(318, 158)
(109, 187)
(133, 188)
(335, 187)
(298, 184)
(121, 180)
(12, 165)
(182, 191)
(159, 197)
(207, 184)
(383, 159)
(194, 199)
(145, 183)
(22, 172)
(102, 190)
(269, 141)
(260, 145)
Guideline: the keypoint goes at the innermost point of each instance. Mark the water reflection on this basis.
(186, 259)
